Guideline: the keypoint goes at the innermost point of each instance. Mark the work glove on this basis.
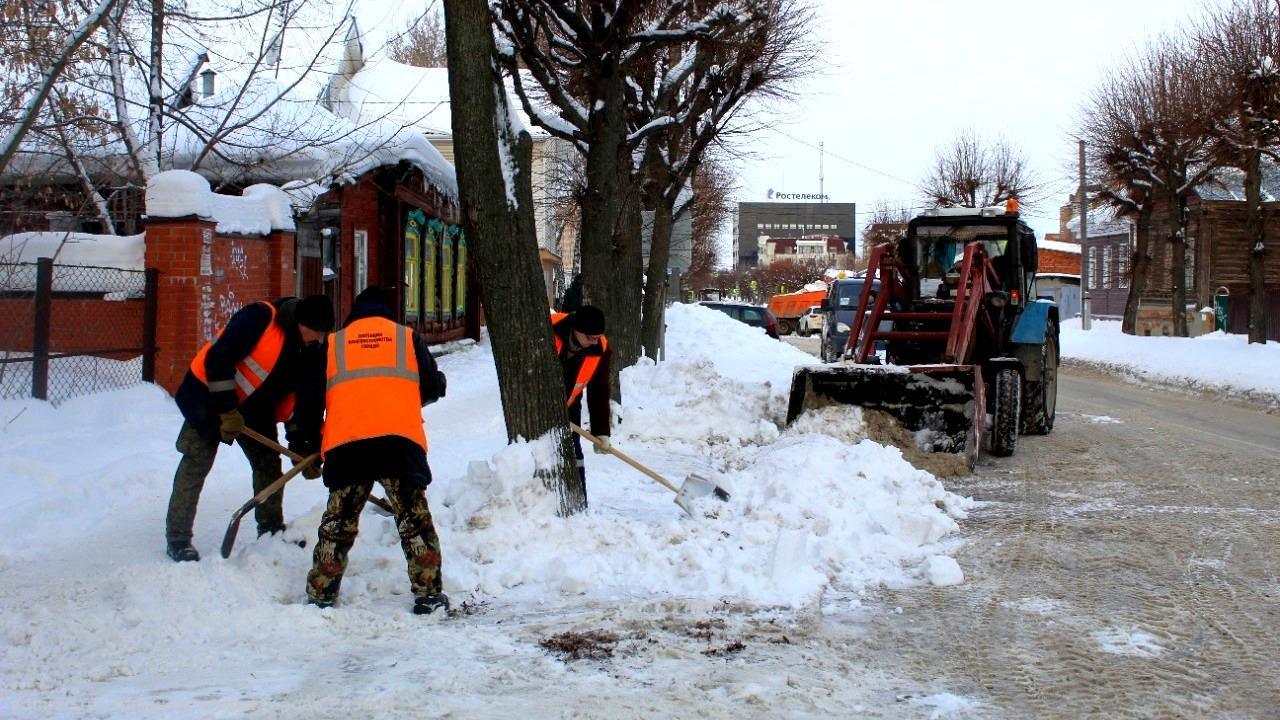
(232, 425)
(312, 471)
(602, 447)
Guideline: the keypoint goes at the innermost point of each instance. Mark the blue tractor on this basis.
(967, 347)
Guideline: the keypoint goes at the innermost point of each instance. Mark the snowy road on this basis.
(1125, 566)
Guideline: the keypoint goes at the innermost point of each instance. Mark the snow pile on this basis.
(1217, 362)
(182, 193)
(811, 505)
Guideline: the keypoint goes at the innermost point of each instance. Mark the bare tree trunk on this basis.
(86, 183)
(627, 291)
(1139, 270)
(124, 121)
(608, 172)
(1178, 263)
(500, 231)
(155, 103)
(655, 282)
(1257, 246)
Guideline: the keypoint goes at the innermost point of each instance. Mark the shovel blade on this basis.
(694, 487)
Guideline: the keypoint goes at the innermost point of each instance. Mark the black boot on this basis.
(274, 529)
(429, 604)
(182, 551)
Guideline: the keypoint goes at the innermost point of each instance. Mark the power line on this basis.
(891, 176)
(855, 163)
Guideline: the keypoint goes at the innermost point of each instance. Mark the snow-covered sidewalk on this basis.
(98, 622)
(1217, 362)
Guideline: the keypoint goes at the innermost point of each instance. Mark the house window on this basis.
(1122, 274)
(361, 278)
(1106, 267)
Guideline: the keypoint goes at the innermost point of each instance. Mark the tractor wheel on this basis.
(1007, 396)
(1040, 399)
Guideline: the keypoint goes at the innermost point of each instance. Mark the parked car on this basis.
(810, 322)
(838, 309)
(752, 315)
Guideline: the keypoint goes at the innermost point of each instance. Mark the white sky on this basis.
(905, 76)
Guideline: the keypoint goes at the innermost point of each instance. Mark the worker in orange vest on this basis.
(584, 354)
(380, 375)
(247, 376)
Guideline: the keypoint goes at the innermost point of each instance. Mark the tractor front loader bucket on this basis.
(942, 406)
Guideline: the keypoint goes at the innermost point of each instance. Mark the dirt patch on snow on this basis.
(887, 430)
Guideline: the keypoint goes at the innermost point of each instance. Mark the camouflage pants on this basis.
(197, 459)
(341, 522)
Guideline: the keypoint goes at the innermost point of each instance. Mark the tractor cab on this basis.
(935, 243)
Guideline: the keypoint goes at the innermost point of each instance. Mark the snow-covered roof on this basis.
(265, 110)
(1067, 247)
(419, 97)
(283, 136)
(115, 251)
(1229, 185)
(1103, 221)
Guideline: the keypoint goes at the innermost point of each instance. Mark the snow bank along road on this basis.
(1124, 566)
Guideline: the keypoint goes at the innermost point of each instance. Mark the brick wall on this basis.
(1058, 261)
(204, 278)
(75, 325)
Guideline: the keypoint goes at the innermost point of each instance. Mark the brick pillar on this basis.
(180, 248)
(281, 272)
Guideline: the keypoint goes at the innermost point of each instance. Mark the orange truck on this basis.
(790, 306)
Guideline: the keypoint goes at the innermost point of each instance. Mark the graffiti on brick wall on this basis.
(239, 260)
(227, 306)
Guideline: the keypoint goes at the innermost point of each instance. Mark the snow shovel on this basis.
(229, 539)
(273, 445)
(695, 486)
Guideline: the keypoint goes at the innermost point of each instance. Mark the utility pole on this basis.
(1084, 252)
(821, 197)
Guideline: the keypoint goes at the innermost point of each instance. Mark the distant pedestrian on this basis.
(584, 354)
(248, 376)
(573, 295)
(379, 376)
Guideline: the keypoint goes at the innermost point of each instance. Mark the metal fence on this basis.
(68, 330)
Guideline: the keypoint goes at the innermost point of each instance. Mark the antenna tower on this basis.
(821, 196)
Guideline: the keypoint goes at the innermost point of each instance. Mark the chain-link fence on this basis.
(68, 330)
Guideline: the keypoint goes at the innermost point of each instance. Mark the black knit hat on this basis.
(315, 312)
(588, 320)
(377, 295)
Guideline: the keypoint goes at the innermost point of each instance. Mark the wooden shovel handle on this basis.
(273, 445)
(624, 458)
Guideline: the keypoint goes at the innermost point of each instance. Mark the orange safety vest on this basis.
(589, 363)
(253, 369)
(372, 388)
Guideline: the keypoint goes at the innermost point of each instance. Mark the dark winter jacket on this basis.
(598, 390)
(572, 295)
(201, 407)
(390, 456)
